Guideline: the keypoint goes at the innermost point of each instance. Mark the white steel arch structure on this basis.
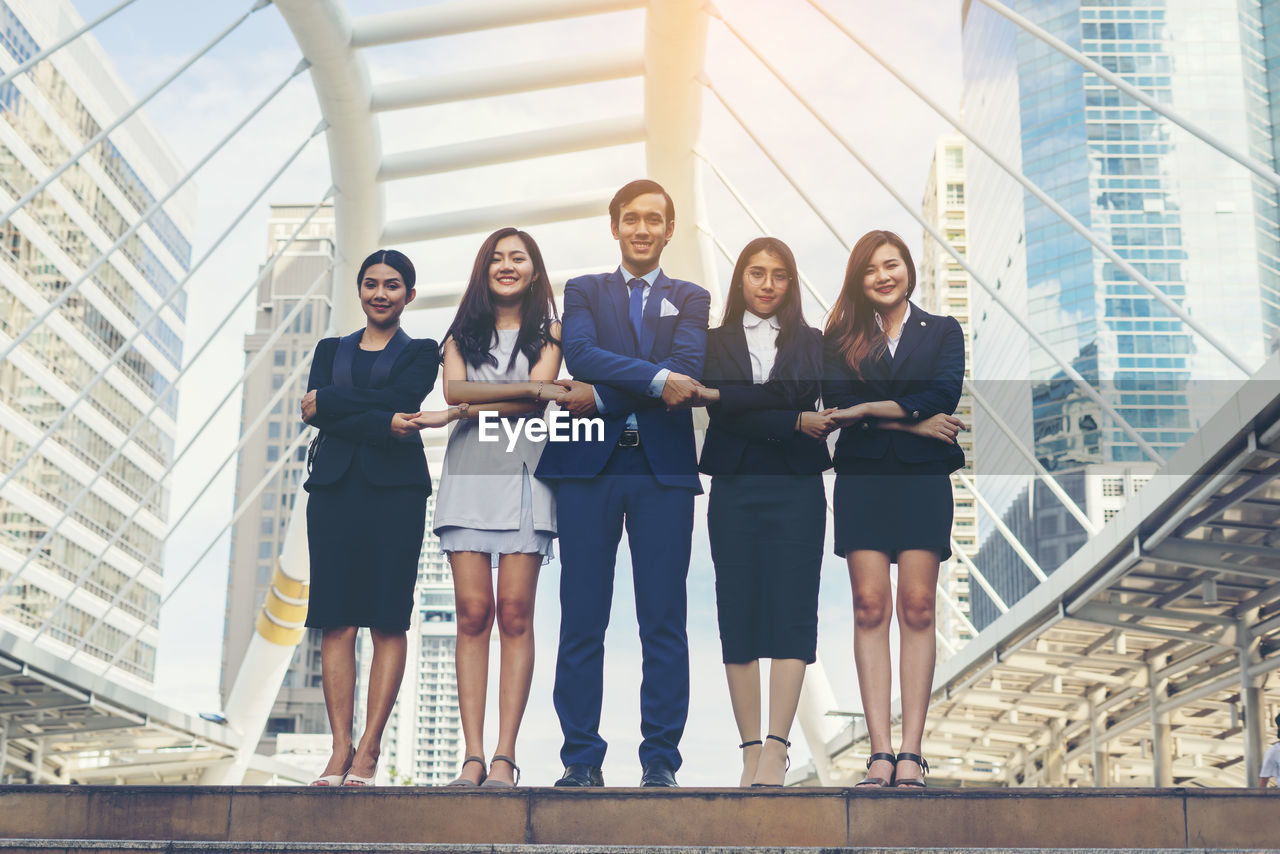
(668, 123)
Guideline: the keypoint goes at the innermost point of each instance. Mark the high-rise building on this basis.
(423, 741)
(82, 574)
(1200, 228)
(258, 536)
(944, 288)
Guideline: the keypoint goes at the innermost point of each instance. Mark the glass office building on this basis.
(1201, 228)
(80, 570)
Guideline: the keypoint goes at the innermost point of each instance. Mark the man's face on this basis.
(642, 232)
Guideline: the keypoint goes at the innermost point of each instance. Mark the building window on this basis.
(955, 194)
(955, 158)
(1112, 486)
(279, 356)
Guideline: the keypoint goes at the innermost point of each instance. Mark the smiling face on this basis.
(383, 295)
(642, 231)
(764, 283)
(510, 270)
(886, 280)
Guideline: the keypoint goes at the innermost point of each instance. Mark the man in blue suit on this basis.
(636, 339)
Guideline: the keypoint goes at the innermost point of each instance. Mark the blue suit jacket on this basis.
(925, 378)
(600, 347)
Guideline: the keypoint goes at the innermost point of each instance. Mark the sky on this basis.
(885, 123)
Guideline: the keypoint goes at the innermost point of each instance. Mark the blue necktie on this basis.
(637, 309)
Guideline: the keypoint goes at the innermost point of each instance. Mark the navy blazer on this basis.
(355, 423)
(600, 348)
(925, 378)
(762, 416)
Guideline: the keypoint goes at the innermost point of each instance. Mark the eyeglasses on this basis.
(756, 276)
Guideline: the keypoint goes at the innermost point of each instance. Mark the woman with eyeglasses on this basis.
(765, 450)
(895, 372)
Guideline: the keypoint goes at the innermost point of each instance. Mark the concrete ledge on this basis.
(160, 818)
(80, 846)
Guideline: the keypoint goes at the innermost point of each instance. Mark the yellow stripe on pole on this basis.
(289, 588)
(278, 634)
(282, 611)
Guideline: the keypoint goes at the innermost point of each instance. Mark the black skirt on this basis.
(889, 506)
(364, 541)
(766, 543)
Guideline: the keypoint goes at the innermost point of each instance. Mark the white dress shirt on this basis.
(762, 343)
(659, 380)
(893, 342)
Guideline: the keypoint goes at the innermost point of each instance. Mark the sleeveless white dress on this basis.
(489, 501)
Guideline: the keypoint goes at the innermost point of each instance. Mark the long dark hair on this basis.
(789, 313)
(474, 324)
(853, 319)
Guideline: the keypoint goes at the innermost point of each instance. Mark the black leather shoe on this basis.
(658, 775)
(581, 777)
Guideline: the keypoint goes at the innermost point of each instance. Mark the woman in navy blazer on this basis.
(367, 505)
(895, 372)
(765, 450)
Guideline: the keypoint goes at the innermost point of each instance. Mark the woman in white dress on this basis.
(501, 355)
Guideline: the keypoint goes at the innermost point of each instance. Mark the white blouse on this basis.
(893, 342)
(762, 343)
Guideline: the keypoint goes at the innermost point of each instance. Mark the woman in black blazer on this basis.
(765, 450)
(895, 372)
(367, 505)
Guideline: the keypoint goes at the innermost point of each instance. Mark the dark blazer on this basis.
(924, 377)
(355, 423)
(762, 417)
(600, 348)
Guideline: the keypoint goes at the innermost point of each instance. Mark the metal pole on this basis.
(1251, 703)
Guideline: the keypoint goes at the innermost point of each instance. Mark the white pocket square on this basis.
(668, 309)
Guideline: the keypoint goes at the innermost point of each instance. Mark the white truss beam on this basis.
(584, 205)
(547, 142)
(467, 16)
(552, 73)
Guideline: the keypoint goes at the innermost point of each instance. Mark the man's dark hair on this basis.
(638, 188)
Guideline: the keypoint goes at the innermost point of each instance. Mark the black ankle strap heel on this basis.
(912, 782)
(878, 782)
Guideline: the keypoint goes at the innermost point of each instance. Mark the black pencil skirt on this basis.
(891, 507)
(766, 542)
(364, 541)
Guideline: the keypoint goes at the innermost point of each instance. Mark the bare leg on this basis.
(517, 586)
(473, 596)
(385, 672)
(872, 607)
(744, 697)
(338, 678)
(786, 675)
(917, 591)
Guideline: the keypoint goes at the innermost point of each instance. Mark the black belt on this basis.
(629, 439)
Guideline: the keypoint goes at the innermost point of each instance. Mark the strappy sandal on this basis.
(788, 766)
(878, 782)
(493, 783)
(463, 782)
(911, 782)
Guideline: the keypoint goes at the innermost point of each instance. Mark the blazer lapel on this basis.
(914, 330)
(653, 313)
(736, 343)
(617, 294)
(381, 371)
(344, 358)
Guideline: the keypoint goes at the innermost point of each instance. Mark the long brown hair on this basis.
(853, 319)
(473, 326)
